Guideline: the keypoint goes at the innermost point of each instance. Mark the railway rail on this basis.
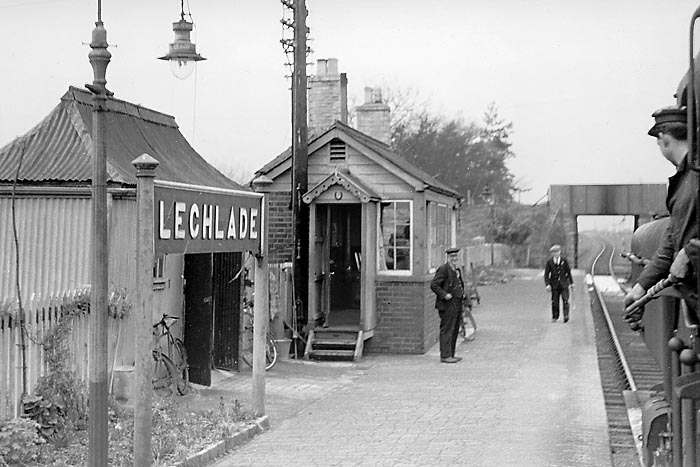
(627, 367)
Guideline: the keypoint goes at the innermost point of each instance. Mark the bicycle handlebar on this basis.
(162, 321)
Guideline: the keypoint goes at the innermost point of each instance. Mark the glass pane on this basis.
(394, 249)
(403, 212)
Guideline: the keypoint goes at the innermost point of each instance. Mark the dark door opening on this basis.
(345, 246)
(198, 316)
(227, 299)
(212, 313)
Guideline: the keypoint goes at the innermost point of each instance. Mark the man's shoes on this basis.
(554, 320)
(449, 360)
(566, 320)
(458, 358)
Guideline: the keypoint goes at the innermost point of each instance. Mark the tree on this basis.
(465, 156)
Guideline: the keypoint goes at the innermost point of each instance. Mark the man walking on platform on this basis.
(448, 287)
(557, 279)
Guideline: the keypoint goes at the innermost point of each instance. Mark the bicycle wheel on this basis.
(245, 348)
(467, 328)
(182, 369)
(270, 353)
(164, 375)
(246, 353)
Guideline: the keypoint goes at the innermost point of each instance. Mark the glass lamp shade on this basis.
(182, 69)
(182, 54)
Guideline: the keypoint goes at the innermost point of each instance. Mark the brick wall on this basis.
(406, 319)
(280, 228)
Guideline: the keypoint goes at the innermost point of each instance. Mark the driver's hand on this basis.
(633, 295)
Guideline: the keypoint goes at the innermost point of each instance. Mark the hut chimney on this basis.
(374, 117)
(327, 97)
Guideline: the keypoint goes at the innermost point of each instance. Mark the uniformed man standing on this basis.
(557, 280)
(448, 287)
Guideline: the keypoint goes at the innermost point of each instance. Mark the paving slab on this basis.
(527, 393)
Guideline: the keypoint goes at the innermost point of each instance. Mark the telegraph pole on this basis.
(300, 155)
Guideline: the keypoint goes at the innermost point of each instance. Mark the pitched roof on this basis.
(377, 146)
(59, 148)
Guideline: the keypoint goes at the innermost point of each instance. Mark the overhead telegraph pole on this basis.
(300, 154)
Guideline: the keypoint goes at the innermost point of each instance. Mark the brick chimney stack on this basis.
(373, 117)
(327, 97)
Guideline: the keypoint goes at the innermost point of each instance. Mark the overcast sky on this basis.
(578, 79)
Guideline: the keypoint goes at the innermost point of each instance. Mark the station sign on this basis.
(200, 219)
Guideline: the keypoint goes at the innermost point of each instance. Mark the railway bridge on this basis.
(644, 201)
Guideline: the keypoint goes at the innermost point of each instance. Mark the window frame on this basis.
(436, 249)
(380, 240)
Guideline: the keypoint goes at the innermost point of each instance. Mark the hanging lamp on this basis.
(182, 54)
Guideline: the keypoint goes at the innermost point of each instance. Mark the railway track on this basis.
(626, 366)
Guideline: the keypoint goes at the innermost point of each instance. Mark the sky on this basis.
(577, 79)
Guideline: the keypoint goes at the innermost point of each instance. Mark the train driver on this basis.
(671, 132)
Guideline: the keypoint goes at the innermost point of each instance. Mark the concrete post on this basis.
(261, 308)
(143, 308)
(260, 325)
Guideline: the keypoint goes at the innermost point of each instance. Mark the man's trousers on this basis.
(449, 328)
(562, 292)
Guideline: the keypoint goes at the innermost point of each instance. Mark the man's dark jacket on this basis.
(681, 203)
(557, 276)
(446, 280)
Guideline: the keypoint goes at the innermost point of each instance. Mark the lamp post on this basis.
(490, 199)
(97, 430)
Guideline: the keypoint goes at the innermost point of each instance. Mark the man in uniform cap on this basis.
(448, 286)
(557, 280)
(671, 132)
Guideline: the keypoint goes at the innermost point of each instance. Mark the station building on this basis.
(378, 228)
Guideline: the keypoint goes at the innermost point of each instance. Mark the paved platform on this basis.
(527, 393)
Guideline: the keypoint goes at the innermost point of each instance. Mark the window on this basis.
(395, 246)
(438, 233)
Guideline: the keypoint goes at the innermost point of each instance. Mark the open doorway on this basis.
(344, 246)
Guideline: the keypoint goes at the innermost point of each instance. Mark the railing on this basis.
(40, 317)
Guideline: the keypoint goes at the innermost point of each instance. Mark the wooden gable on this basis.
(377, 178)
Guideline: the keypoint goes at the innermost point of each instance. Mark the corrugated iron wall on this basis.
(54, 245)
(54, 235)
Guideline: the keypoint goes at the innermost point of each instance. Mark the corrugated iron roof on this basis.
(379, 147)
(59, 148)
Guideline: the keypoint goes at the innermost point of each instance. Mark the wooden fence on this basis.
(41, 316)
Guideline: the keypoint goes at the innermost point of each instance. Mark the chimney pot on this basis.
(333, 66)
(321, 67)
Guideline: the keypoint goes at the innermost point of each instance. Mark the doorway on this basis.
(344, 253)
(212, 313)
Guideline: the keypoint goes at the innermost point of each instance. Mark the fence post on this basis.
(145, 173)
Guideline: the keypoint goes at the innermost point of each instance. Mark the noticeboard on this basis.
(200, 219)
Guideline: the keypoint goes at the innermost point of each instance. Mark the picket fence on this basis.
(40, 316)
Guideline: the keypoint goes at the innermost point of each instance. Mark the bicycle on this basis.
(170, 370)
(246, 347)
(467, 328)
